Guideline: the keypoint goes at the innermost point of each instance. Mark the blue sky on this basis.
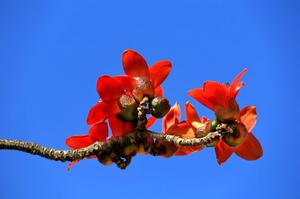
(52, 53)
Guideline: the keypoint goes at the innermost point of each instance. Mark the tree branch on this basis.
(112, 145)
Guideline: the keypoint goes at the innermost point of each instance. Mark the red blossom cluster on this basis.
(122, 96)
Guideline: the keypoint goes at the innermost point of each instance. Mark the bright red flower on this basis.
(118, 97)
(185, 129)
(149, 80)
(97, 132)
(250, 148)
(135, 66)
(220, 98)
(110, 89)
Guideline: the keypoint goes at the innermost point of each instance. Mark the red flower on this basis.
(148, 80)
(135, 66)
(118, 96)
(184, 129)
(141, 81)
(97, 132)
(110, 90)
(221, 99)
(250, 148)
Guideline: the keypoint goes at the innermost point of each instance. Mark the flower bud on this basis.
(143, 88)
(214, 125)
(128, 108)
(160, 107)
(237, 137)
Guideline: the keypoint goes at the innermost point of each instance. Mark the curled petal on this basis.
(108, 88)
(72, 164)
(159, 91)
(151, 121)
(191, 114)
(236, 84)
(204, 119)
(159, 72)
(126, 83)
(197, 94)
(216, 93)
(223, 152)
(78, 141)
(98, 132)
(250, 149)
(76, 161)
(134, 64)
(171, 118)
(186, 131)
(182, 129)
(98, 113)
(248, 117)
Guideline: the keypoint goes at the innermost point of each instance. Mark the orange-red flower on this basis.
(110, 89)
(250, 148)
(185, 129)
(138, 82)
(148, 80)
(136, 66)
(221, 98)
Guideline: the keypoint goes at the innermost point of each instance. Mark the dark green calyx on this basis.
(160, 106)
(128, 108)
(214, 125)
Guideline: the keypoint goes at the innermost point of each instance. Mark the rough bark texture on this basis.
(107, 147)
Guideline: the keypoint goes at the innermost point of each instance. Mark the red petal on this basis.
(159, 72)
(108, 88)
(134, 64)
(98, 113)
(72, 164)
(119, 128)
(182, 129)
(159, 91)
(151, 121)
(197, 94)
(191, 114)
(248, 117)
(172, 117)
(98, 132)
(125, 82)
(250, 149)
(76, 161)
(204, 119)
(79, 141)
(236, 84)
(128, 127)
(216, 93)
(223, 152)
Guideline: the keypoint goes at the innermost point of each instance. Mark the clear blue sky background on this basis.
(52, 52)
